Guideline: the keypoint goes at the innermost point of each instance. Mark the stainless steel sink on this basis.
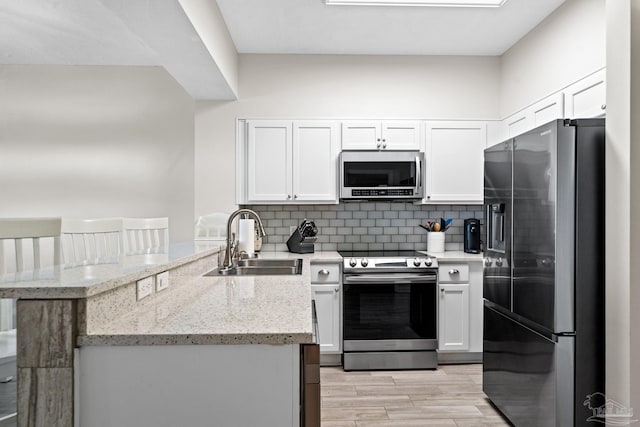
(259, 262)
(262, 267)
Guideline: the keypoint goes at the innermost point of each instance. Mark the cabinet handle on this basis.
(295, 196)
(336, 290)
(603, 107)
(324, 272)
(384, 145)
(378, 139)
(378, 145)
(454, 271)
(288, 196)
(442, 290)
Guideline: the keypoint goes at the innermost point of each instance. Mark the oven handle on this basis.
(395, 279)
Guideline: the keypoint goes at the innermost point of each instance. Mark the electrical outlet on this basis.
(145, 287)
(162, 281)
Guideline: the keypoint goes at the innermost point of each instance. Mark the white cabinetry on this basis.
(326, 290)
(550, 108)
(460, 311)
(587, 97)
(380, 135)
(291, 162)
(454, 152)
(583, 99)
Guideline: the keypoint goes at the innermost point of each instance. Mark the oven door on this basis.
(387, 312)
(375, 175)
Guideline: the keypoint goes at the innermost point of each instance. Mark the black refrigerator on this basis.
(543, 277)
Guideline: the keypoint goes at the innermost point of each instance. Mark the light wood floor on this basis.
(449, 396)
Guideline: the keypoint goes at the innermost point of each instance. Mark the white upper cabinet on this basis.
(584, 99)
(550, 108)
(291, 161)
(454, 154)
(269, 145)
(587, 97)
(380, 135)
(315, 152)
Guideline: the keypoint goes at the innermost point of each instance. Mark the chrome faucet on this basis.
(228, 258)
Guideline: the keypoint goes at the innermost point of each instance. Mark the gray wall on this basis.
(92, 142)
(365, 225)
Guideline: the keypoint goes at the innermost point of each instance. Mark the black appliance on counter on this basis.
(544, 275)
(303, 238)
(390, 310)
(472, 236)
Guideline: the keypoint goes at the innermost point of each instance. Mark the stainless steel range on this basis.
(389, 310)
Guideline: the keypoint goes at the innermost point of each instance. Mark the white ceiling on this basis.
(311, 27)
(110, 32)
(159, 33)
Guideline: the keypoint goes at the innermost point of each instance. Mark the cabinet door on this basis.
(361, 135)
(517, 123)
(587, 97)
(550, 108)
(315, 158)
(327, 298)
(401, 135)
(455, 161)
(453, 317)
(269, 144)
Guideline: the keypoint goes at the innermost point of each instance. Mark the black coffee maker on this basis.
(472, 236)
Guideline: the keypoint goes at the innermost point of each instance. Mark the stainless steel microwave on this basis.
(369, 175)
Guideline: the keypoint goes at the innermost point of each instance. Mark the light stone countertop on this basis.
(89, 280)
(454, 256)
(222, 310)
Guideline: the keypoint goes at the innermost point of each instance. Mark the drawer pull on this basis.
(323, 272)
(454, 271)
(336, 290)
(442, 290)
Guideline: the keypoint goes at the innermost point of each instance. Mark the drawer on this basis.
(454, 272)
(325, 273)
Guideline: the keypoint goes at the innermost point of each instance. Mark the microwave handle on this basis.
(418, 172)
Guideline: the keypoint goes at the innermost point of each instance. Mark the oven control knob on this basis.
(487, 262)
(353, 262)
(428, 262)
(416, 262)
(364, 262)
(499, 262)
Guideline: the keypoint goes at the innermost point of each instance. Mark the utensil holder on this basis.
(435, 241)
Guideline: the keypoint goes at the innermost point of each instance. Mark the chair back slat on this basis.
(92, 241)
(146, 235)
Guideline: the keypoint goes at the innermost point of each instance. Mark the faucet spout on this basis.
(228, 262)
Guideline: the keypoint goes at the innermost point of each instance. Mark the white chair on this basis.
(145, 235)
(91, 241)
(16, 231)
(212, 226)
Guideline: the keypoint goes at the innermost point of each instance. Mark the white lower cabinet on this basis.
(326, 291)
(453, 318)
(460, 311)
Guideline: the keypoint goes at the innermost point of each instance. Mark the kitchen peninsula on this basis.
(206, 350)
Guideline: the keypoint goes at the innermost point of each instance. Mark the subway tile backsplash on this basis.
(365, 225)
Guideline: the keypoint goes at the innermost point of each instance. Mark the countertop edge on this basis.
(194, 339)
